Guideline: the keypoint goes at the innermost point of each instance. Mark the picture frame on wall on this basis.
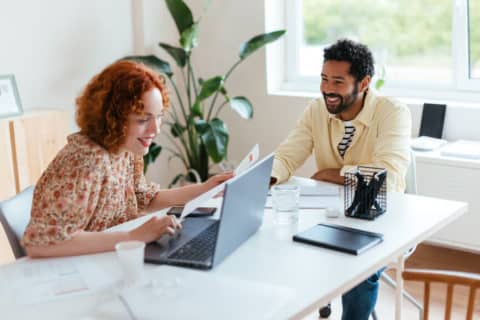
(10, 104)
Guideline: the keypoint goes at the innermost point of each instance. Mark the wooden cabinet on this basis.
(7, 185)
(36, 139)
(27, 145)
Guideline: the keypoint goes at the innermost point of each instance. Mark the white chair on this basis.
(14, 217)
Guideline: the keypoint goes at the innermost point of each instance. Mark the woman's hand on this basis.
(181, 195)
(154, 228)
(218, 179)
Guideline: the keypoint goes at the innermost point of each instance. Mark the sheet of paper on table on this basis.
(315, 194)
(37, 281)
(206, 297)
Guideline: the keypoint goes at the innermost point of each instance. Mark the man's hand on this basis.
(328, 175)
(273, 180)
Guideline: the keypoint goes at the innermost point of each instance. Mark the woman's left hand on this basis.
(217, 179)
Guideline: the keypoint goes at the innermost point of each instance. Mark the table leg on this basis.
(399, 290)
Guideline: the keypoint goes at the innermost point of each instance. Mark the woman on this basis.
(96, 181)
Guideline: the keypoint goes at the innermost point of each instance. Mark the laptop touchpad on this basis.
(191, 227)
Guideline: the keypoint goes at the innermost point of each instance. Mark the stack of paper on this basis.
(462, 149)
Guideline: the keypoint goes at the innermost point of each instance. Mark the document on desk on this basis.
(37, 281)
(310, 187)
(313, 202)
(186, 294)
(246, 163)
(314, 194)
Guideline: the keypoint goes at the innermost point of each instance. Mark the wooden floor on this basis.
(428, 257)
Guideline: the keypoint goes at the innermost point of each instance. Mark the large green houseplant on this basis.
(196, 134)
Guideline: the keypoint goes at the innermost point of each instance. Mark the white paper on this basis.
(209, 297)
(313, 202)
(38, 281)
(248, 161)
(463, 149)
(310, 187)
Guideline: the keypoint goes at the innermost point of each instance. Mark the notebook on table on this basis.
(340, 238)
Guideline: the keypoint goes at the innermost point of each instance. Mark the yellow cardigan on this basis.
(382, 139)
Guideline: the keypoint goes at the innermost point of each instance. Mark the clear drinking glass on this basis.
(285, 199)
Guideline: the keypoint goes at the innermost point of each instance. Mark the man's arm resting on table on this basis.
(329, 175)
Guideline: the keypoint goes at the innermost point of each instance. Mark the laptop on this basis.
(203, 242)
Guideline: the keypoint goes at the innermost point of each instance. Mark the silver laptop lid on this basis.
(242, 208)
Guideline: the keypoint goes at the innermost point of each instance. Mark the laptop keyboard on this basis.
(199, 248)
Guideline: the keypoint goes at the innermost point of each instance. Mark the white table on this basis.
(314, 275)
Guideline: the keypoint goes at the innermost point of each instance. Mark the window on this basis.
(419, 46)
(474, 38)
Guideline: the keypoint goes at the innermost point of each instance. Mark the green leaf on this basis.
(176, 179)
(214, 135)
(196, 110)
(201, 126)
(379, 84)
(177, 129)
(152, 154)
(153, 62)
(259, 41)
(188, 38)
(178, 54)
(242, 106)
(209, 87)
(181, 14)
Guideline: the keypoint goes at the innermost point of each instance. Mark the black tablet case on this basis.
(340, 238)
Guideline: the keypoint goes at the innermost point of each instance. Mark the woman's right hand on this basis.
(154, 228)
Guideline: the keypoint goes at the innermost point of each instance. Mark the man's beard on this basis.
(345, 101)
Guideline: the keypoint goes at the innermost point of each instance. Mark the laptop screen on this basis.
(243, 207)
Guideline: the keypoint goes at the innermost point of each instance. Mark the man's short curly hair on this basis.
(112, 95)
(359, 56)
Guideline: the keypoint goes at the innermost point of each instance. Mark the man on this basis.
(350, 125)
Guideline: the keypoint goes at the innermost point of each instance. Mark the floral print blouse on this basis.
(86, 188)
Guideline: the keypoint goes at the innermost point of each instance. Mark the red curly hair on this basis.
(111, 96)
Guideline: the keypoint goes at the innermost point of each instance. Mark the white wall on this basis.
(53, 47)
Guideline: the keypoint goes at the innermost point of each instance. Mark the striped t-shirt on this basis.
(347, 138)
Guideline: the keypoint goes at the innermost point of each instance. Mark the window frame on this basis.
(461, 89)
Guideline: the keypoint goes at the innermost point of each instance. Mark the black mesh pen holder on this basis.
(365, 194)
